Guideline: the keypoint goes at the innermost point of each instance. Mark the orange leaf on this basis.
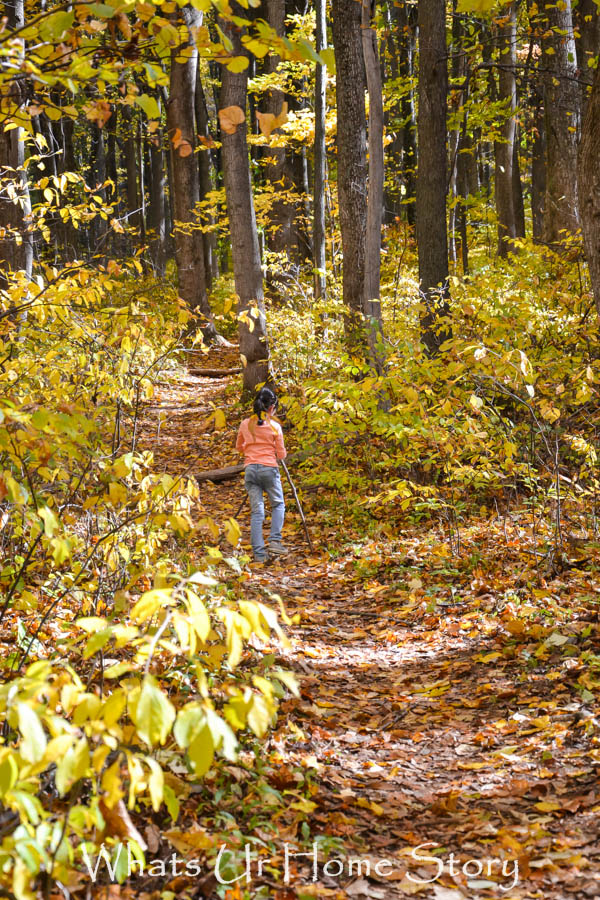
(268, 122)
(230, 117)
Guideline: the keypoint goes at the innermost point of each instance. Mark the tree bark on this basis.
(185, 187)
(587, 40)
(157, 211)
(320, 157)
(351, 159)
(538, 167)
(131, 173)
(504, 148)
(211, 265)
(16, 247)
(372, 292)
(517, 190)
(253, 340)
(589, 179)
(432, 239)
(562, 108)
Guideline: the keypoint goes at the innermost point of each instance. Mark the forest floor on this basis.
(446, 736)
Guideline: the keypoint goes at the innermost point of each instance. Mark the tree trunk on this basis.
(394, 125)
(254, 346)
(538, 167)
(16, 247)
(320, 157)
(432, 239)
(211, 264)
(99, 177)
(589, 180)
(372, 292)
(285, 170)
(504, 148)
(562, 107)
(131, 173)
(157, 211)
(185, 187)
(404, 16)
(351, 159)
(517, 190)
(587, 40)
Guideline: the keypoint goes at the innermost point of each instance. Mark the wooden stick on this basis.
(298, 504)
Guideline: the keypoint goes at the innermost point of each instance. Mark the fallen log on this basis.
(229, 472)
(225, 474)
(214, 373)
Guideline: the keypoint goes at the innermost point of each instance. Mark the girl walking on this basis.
(261, 441)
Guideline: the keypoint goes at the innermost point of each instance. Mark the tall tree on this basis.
(247, 270)
(284, 167)
(205, 166)
(320, 155)
(589, 182)
(16, 245)
(372, 292)
(402, 153)
(432, 239)
(157, 207)
(189, 245)
(351, 158)
(538, 164)
(586, 15)
(504, 147)
(562, 101)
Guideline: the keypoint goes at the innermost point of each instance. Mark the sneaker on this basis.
(276, 548)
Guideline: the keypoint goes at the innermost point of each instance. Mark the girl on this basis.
(261, 441)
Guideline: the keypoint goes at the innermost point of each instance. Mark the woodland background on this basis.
(392, 212)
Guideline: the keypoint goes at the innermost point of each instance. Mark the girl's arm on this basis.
(239, 444)
(280, 450)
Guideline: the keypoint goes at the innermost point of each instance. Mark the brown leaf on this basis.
(268, 122)
(119, 824)
(230, 117)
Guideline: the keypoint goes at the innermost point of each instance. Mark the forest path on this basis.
(419, 723)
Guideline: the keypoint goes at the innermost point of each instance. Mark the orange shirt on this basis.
(264, 446)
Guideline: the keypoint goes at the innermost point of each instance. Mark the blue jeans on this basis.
(258, 481)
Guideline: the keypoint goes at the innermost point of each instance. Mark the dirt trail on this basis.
(416, 727)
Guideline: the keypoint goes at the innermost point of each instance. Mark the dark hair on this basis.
(263, 401)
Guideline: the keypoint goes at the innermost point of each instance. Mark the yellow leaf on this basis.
(233, 532)
(370, 804)
(220, 419)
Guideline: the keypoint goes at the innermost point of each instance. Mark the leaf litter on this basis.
(446, 734)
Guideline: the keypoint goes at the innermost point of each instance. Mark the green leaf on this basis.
(171, 802)
(156, 783)
(480, 7)
(223, 737)
(152, 110)
(202, 751)
(34, 742)
(9, 772)
(54, 26)
(50, 521)
(328, 57)
(154, 713)
(73, 766)
(190, 720)
(102, 10)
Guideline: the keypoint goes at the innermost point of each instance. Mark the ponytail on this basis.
(263, 401)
